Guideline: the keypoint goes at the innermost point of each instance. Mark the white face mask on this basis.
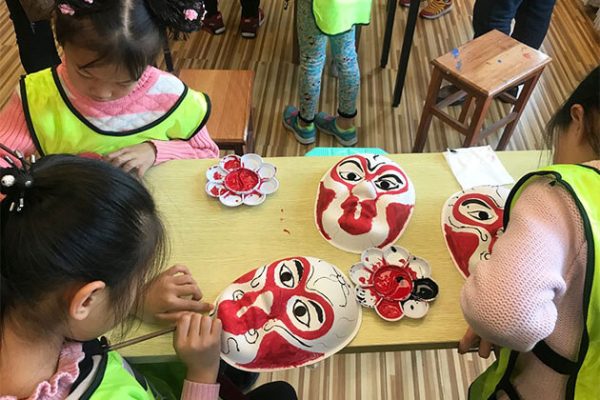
(364, 201)
(292, 312)
(472, 221)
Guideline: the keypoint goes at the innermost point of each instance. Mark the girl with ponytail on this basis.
(106, 98)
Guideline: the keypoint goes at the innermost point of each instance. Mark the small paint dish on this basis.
(241, 180)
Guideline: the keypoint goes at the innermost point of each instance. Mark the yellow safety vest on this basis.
(583, 183)
(56, 126)
(338, 16)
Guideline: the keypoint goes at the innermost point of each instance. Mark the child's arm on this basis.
(509, 299)
(13, 129)
(197, 342)
(199, 146)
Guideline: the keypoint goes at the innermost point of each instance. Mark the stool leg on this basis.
(465, 109)
(426, 116)
(483, 105)
(295, 45)
(518, 109)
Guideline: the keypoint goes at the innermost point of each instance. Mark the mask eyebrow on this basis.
(475, 201)
(393, 176)
(318, 309)
(300, 269)
(352, 162)
(372, 168)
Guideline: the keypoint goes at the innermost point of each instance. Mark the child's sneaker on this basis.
(436, 8)
(305, 135)
(214, 24)
(249, 26)
(326, 124)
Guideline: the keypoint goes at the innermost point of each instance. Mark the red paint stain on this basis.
(326, 196)
(217, 176)
(396, 215)
(462, 245)
(277, 352)
(362, 224)
(527, 55)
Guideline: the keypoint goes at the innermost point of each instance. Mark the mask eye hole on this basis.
(478, 211)
(389, 182)
(306, 314)
(237, 295)
(289, 274)
(351, 171)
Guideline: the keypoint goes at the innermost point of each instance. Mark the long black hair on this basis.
(587, 94)
(130, 33)
(81, 221)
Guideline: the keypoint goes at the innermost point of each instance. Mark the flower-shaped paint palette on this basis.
(394, 283)
(241, 180)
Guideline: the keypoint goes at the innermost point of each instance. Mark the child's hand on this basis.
(471, 340)
(139, 157)
(171, 294)
(197, 342)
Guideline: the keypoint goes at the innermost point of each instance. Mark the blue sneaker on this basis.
(305, 135)
(326, 124)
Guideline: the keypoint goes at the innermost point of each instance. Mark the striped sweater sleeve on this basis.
(199, 391)
(199, 146)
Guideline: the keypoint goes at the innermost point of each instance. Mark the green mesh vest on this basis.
(338, 16)
(57, 127)
(583, 183)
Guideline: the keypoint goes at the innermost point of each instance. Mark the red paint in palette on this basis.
(242, 180)
(232, 163)
(394, 283)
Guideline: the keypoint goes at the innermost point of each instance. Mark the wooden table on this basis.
(219, 244)
(230, 122)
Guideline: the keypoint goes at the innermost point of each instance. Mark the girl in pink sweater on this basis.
(529, 296)
(79, 240)
(105, 98)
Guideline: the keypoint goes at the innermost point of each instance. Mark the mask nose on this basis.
(264, 301)
(365, 190)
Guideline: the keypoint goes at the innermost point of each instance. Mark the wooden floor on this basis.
(571, 42)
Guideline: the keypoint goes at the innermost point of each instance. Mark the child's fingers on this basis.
(191, 305)
(130, 165)
(468, 340)
(217, 328)
(207, 324)
(117, 153)
(183, 328)
(183, 280)
(485, 348)
(196, 326)
(178, 269)
(190, 289)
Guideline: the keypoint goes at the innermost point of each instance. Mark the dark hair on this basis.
(587, 94)
(83, 220)
(130, 33)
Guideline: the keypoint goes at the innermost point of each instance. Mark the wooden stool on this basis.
(230, 122)
(482, 70)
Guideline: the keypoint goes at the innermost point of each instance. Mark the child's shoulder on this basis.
(163, 82)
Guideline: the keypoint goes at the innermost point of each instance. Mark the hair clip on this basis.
(16, 179)
(190, 14)
(66, 9)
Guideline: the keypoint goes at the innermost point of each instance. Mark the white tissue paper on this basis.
(476, 166)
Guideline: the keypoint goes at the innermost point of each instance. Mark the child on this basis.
(320, 21)
(538, 296)
(252, 18)
(54, 304)
(434, 8)
(105, 98)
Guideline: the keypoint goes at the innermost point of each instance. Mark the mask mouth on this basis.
(358, 215)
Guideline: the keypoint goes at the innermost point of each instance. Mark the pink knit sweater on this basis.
(67, 371)
(155, 93)
(531, 288)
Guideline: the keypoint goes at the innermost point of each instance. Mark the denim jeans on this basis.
(532, 18)
(34, 39)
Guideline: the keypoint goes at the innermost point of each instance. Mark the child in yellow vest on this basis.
(80, 239)
(538, 296)
(106, 98)
(319, 22)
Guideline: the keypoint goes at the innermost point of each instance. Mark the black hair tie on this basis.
(16, 180)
